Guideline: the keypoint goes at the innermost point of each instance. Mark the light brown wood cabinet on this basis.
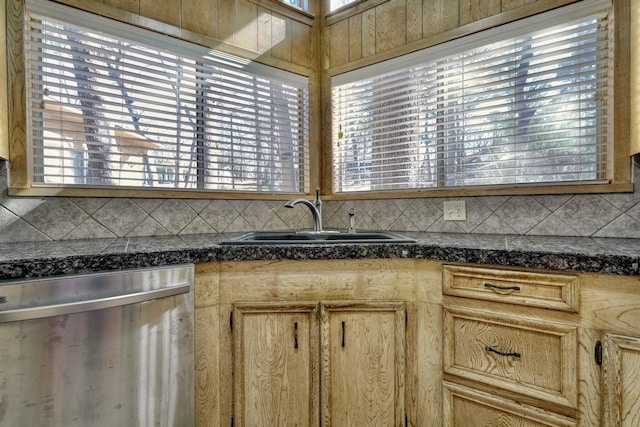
(277, 349)
(465, 406)
(451, 345)
(528, 288)
(621, 381)
(531, 357)
(582, 330)
(362, 353)
(498, 357)
(275, 364)
(331, 343)
(610, 315)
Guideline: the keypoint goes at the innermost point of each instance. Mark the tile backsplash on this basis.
(58, 218)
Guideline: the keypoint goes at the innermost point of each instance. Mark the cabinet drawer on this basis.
(530, 357)
(465, 407)
(546, 290)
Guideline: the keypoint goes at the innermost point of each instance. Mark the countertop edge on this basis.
(580, 255)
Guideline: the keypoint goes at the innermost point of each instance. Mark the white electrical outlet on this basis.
(455, 210)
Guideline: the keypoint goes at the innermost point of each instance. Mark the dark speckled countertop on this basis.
(594, 255)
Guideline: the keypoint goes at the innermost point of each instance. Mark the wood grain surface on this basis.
(276, 365)
(363, 363)
(621, 381)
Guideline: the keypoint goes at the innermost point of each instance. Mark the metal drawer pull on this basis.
(500, 353)
(501, 288)
(343, 337)
(295, 335)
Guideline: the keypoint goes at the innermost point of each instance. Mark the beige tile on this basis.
(173, 215)
(56, 217)
(219, 214)
(120, 216)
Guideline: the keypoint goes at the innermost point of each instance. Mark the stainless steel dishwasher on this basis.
(111, 349)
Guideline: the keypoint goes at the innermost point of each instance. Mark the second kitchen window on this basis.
(528, 103)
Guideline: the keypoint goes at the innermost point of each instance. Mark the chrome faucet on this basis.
(315, 207)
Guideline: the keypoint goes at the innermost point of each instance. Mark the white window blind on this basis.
(125, 107)
(526, 103)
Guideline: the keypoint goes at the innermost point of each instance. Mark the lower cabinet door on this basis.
(466, 407)
(330, 364)
(276, 365)
(362, 347)
(621, 381)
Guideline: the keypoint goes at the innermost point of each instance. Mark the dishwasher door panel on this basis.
(124, 365)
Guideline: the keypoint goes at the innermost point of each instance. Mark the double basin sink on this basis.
(315, 237)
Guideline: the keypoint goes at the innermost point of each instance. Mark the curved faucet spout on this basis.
(314, 207)
(292, 203)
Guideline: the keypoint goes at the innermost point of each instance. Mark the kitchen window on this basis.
(339, 4)
(300, 4)
(524, 104)
(110, 105)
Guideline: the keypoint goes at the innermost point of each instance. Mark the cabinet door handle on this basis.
(343, 335)
(295, 335)
(501, 288)
(500, 353)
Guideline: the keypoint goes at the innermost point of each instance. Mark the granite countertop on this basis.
(579, 254)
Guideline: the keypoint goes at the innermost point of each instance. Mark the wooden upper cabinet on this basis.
(363, 362)
(275, 365)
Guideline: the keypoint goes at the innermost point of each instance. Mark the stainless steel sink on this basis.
(317, 238)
